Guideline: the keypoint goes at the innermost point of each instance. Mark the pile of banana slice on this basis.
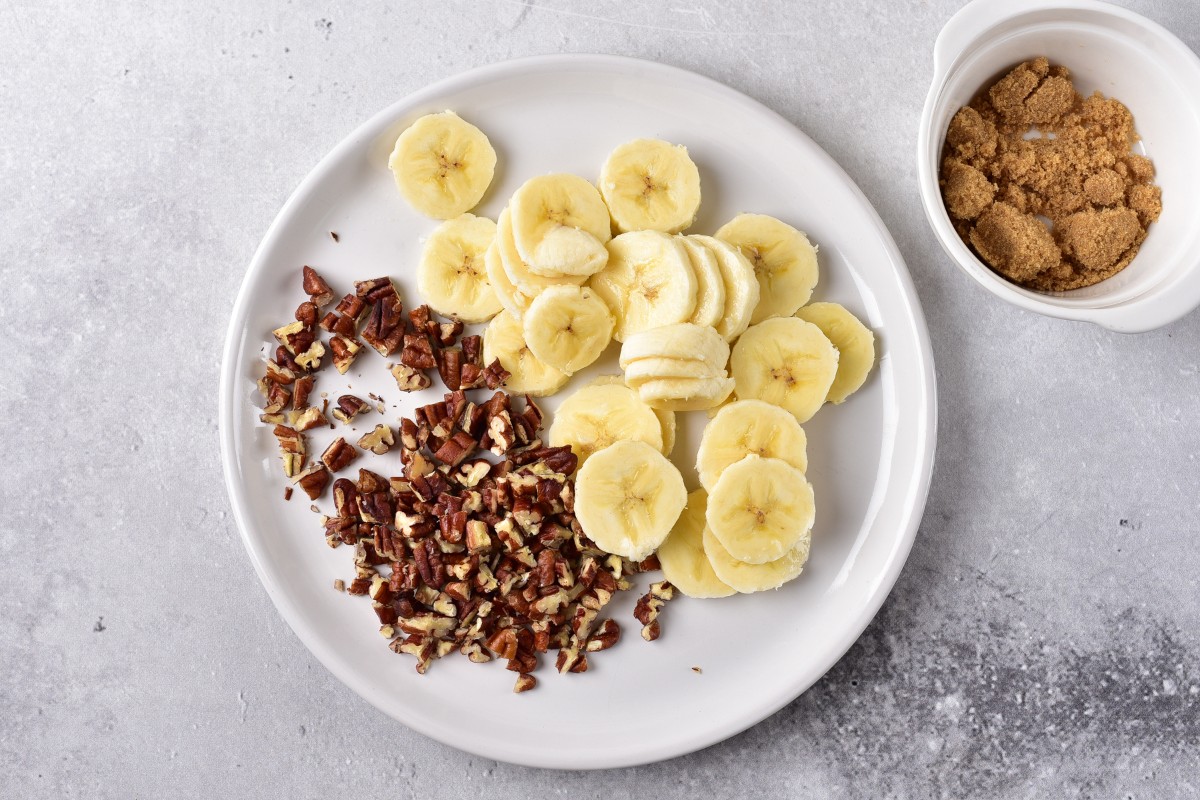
(720, 323)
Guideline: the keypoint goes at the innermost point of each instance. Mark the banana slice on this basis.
(783, 258)
(568, 327)
(504, 339)
(685, 394)
(628, 497)
(513, 300)
(747, 578)
(760, 508)
(648, 282)
(560, 225)
(682, 341)
(741, 286)
(442, 165)
(684, 562)
(710, 288)
(749, 427)
(785, 361)
(854, 342)
(667, 418)
(649, 184)
(519, 274)
(452, 276)
(649, 369)
(601, 414)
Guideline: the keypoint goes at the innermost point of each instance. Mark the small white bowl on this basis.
(1125, 56)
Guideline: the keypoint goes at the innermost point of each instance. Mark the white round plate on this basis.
(870, 458)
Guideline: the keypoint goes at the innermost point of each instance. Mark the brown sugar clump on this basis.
(967, 190)
(1015, 243)
(1077, 172)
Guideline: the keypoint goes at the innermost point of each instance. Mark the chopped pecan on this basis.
(472, 349)
(417, 352)
(524, 683)
(278, 373)
(409, 379)
(310, 358)
(313, 480)
(285, 359)
(349, 407)
(307, 313)
(341, 325)
(494, 375)
(300, 392)
(293, 449)
(378, 441)
(286, 335)
(351, 306)
(316, 287)
(605, 636)
(384, 329)
(306, 419)
(339, 455)
(458, 447)
(446, 333)
(370, 291)
(277, 398)
(344, 350)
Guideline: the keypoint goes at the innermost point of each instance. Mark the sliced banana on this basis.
(600, 414)
(741, 286)
(452, 275)
(684, 341)
(649, 369)
(568, 327)
(560, 225)
(513, 300)
(685, 394)
(747, 578)
(760, 508)
(748, 427)
(667, 418)
(443, 165)
(684, 562)
(648, 282)
(785, 361)
(628, 497)
(649, 184)
(519, 274)
(854, 342)
(710, 288)
(504, 339)
(783, 258)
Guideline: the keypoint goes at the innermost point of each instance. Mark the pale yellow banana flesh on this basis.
(628, 496)
(648, 369)
(442, 165)
(785, 262)
(649, 184)
(504, 340)
(568, 327)
(667, 418)
(760, 508)
(513, 300)
(601, 414)
(560, 225)
(684, 562)
(647, 282)
(685, 394)
(748, 578)
(452, 275)
(748, 427)
(710, 286)
(742, 290)
(683, 341)
(787, 362)
(518, 272)
(854, 341)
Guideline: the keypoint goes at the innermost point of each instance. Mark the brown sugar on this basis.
(1028, 151)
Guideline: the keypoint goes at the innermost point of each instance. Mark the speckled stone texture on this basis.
(1043, 640)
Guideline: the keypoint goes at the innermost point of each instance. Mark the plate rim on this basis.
(914, 502)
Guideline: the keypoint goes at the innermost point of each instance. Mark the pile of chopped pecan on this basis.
(474, 548)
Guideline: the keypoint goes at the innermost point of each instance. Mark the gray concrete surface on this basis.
(1043, 640)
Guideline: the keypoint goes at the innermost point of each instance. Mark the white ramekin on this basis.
(1125, 56)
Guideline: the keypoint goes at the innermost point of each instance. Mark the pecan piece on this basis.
(378, 441)
(456, 449)
(385, 324)
(316, 288)
(306, 312)
(344, 350)
(409, 379)
(306, 419)
(450, 368)
(605, 636)
(300, 392)
(524, 683)
(349, 407)
(278, 373)
(370, 291)
(494, 375)
(292, 448)
(341, 325)
(351, 306)
(313, 480)
(472, 349)
(417, 352)
(339, 455)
